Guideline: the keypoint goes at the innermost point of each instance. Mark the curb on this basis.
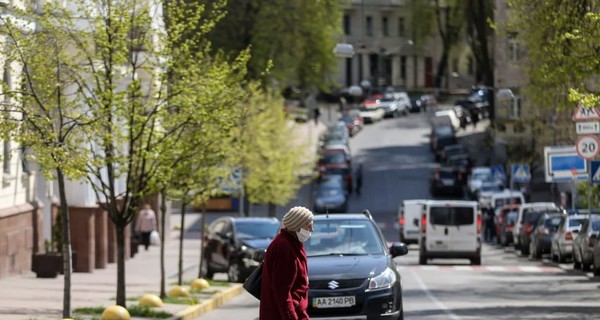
(216, 301)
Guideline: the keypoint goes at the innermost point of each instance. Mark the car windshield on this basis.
(444, 131)
(511, 217)
(552, 223)
(481, 176)
(256, 229)
(329, 189)
(575, 222)
(343, 237)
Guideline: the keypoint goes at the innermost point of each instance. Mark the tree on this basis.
(479, 15)
(450, 31)
(295, 37)
(41, 115)
(561, 42)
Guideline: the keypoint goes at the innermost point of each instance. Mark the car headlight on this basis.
(382, 281)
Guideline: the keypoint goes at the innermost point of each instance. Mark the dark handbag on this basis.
(253, 282)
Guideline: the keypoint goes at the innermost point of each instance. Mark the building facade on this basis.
(387, 53)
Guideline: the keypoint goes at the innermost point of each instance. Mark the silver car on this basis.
(562, 241)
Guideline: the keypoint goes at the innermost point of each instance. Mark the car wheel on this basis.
(560, 258)
(596, 271)
(585, 266)
(576, 264)
(476, 261)
(206, 272)
(234, 272)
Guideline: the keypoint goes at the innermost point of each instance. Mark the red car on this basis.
(505, 222)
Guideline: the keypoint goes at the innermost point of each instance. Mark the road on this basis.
(396, 164)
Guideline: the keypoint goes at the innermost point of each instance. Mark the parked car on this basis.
(541, 237)
(416, 104)
(230, 244)
(440, 132)
(452, 150)
(409, 215)
(331, 194)
(333, 158)
(428, 101)
(441, 142)
(529, 221)
(478, 175)
(485, 192)
(403, 101)
(504, 219)
(506, 222)
(562, 241)
(353, 121)
(450, 113)
(462, 163)
(371, 114)
(351, 270)
(584, 243)
(445, 181)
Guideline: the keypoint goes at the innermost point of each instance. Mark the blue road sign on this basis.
(520, 173)
(563, 164)
(595, 171)
(498, 173)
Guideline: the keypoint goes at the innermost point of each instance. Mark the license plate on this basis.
(448, 182)
(334, 302)
(440, 245)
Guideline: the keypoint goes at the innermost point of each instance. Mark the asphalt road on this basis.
(396, 164)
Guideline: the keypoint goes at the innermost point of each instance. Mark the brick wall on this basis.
(21, 229)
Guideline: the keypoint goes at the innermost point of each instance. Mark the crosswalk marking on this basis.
(507, 269)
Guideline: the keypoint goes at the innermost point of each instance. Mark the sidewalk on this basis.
(26, 297)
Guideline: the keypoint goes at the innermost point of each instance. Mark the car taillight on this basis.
(423, 223)
(437, 174)
(402, 221)
(528, 228)
(568, 236)
(478, 224)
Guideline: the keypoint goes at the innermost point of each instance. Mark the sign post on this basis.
(587, 144)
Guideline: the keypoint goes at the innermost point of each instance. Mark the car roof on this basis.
(340, 216)
(248, 219)
(452, 202)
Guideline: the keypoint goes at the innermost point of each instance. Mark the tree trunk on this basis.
(121, 264)
(163, 210)
(181, 231)
(66, 238)
(442, 69)
(202, 221)
(272, 209)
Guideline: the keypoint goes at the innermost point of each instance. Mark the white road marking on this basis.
(431, 297)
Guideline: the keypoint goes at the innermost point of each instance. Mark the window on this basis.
(369, 26)
(513, 47)
(403, 67)
(515, 111)
(400, 27)
(384, 26)
(346, 24)
(450, 216)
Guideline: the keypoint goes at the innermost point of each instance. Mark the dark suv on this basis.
(351, 269)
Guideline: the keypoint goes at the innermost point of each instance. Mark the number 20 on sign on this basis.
(588, 146)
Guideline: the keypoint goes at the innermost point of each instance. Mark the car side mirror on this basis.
(259, 255)
(416, 222)
(398, 249)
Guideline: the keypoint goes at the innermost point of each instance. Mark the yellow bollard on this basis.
(199, 284)
(179, 291)
(150, 300)
(115, 313)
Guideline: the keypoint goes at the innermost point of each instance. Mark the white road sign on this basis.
(588, 146)
(587, 127)
(584, 113)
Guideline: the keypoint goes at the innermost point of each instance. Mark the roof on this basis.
(341, 216)
(452, 202)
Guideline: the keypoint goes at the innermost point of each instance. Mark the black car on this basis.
(541, 238)
(351, 270)
(529, 223)
(230, 245)
(331, 194)
(445, 181)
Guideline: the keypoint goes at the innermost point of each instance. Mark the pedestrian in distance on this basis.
(145, 224)
(359, 179)
(317, 115)
(284, 287)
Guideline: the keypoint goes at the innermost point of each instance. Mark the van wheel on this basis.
(476, 261)
(422, 260)
(585, 266)
(596, 271)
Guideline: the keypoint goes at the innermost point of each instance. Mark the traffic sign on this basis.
(498, 173)
(584, 113)
(561, 161)
(595, 171)
(520, 173)
(588, 146)
(587, 127)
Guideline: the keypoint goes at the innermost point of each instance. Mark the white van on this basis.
(450, 229)
(409, 215)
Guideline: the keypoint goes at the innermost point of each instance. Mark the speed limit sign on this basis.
(588, 146)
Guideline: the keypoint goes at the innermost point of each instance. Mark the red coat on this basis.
(284, 287)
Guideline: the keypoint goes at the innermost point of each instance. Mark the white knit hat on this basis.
(296, 218)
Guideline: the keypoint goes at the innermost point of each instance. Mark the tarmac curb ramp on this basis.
(216, 301)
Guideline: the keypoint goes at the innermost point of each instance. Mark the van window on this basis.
(504, 201)
(451, 216)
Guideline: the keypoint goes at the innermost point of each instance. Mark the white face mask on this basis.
(303, 234)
